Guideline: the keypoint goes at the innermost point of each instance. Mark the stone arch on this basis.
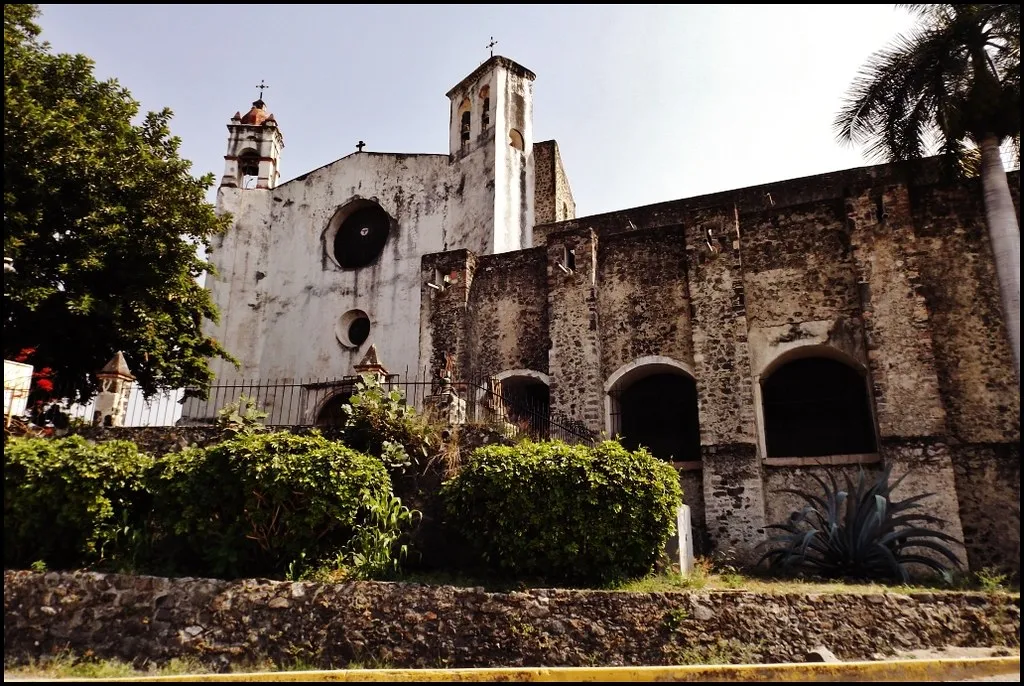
(248, 168)
(652, 401)
(328, 412)
(515, 139)
(485, 107)
(525, 398)
(815, 401)
(465, 119)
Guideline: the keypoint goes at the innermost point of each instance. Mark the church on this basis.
(753, 337)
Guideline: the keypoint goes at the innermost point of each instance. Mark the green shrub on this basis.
(241, 417)
(857, 532)
(564, 513)
(377, 421)
(257, 502)
(67, 500)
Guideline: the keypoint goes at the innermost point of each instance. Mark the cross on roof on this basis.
(490, 46)
(262, 86)
(360, 145)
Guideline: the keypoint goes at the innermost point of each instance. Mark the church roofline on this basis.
(302, 177)
(766, 196)
(496, 60)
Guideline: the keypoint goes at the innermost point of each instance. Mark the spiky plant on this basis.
(857, 532)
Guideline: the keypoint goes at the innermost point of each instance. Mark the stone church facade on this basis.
(753, 337)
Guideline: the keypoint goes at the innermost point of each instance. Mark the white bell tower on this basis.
(254, 149)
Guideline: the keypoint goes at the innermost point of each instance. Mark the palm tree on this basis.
(951, 84)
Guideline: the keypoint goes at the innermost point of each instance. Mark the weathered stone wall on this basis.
(554, 201)
(574, 358)
(926, 466)
(779, 505)
(508, 314)
(222, 623)
(565, 205)
(988, 491)
(972, 352)
(544, 182)
(155, 440)
(797, 266)
(779, 194)
(444, 324)
(897, 322)
(643, 298)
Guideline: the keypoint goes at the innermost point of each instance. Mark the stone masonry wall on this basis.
(574, 358)
(643, 298)
(552, 194)
(223, 623)
(565, 205)
(896, 319)
(544, 183)
(972, 352)
(797, 266)
(508, 314)
(988, 491)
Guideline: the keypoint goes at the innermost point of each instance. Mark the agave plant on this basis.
(859, 532)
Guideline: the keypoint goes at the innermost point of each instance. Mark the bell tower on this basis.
(491, 131)
(254, 149)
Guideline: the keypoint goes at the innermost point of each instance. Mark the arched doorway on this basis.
(331, 414)
(652, 402)
(526, 400)
(816, 406)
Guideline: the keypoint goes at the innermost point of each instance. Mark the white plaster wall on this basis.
(282, 326)
(514, 169)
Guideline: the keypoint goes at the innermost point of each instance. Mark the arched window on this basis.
(465, 120)
(485, 112)
(816, 407)
(653, 403)
(515, 139)
(249, 169)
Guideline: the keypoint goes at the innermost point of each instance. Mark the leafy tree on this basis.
(954, 83)
(102, 220)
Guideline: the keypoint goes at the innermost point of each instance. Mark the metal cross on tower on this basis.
(360, 145)
(262, 86)
(490, 46)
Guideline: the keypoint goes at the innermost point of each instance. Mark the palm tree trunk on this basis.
(1004, 234)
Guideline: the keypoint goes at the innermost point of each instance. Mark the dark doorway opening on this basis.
(527, 402)
(815, 406)
(659, 412)
(331, 414)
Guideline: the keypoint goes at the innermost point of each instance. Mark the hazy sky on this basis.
(647, 102)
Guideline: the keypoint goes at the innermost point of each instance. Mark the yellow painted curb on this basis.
(883, 670)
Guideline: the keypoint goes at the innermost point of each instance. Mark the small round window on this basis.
(361, 236)
(353, 328)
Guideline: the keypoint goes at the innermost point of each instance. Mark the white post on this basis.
(684, 531)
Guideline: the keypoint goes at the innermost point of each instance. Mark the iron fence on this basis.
(319, 401)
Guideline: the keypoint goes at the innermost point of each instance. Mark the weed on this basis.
(674, 618)
(721, 652)
(991, 580)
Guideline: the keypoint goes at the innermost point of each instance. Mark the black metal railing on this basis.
(318, 402)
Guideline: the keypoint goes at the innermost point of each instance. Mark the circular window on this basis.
(361, 236)
(353, 328)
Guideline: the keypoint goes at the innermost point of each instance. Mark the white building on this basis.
(316, 269)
